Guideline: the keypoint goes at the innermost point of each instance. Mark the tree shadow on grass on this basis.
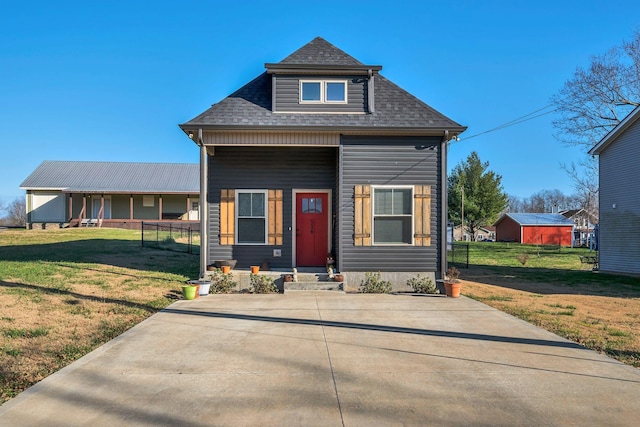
(118, 253)
(554, 281)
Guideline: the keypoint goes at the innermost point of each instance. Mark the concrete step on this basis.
(313, 286)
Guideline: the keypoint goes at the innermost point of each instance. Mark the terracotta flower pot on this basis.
(338, 278)
(452, 289)
(226, 269)
(255, 269)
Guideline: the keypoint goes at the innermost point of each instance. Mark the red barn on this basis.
(535, 229)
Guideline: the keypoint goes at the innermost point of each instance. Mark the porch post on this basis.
(204, 217)
(130, 206)
(443, 208)
(160, 207)
(188, 207)
(84, 207)
(70, 216)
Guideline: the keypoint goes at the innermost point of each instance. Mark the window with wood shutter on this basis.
(251, 217)
(275, 217)
(422, 215)
(227, 217)
(362, 220)
(389, 215)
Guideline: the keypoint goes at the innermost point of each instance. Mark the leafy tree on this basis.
(484, 197)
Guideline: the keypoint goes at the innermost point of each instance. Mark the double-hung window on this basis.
(392, 215)
(251, 216)
(323, 91)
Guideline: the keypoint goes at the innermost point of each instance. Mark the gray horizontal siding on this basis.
(284, 168)
(287, 95)
(388, 161)
(619, 185)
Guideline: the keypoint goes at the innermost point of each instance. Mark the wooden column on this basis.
(131, 206)
(70, 216)
(160, 207)
(188, 207)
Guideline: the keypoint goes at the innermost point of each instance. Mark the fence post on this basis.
(142, 233)
(467, 255)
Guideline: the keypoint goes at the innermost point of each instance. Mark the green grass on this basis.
(69, 291)
(545, 264)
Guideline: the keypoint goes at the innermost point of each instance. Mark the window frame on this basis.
(323, 91)
(265, 193)
(374, 215)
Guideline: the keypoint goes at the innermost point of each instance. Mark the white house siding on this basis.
(46, 207)
(620, 204)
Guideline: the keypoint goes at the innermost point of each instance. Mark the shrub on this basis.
(221, 283)
(373, 284)
(453, 274)
(423, 285)
(523, 258)
(261, 284)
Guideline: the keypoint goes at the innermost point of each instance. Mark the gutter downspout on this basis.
(444, 207)
(204, 207)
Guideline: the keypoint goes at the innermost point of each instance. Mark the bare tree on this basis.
(597, 98)
(15, 213)
(591, 104)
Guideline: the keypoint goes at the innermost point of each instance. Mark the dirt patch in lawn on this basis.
(604, 317)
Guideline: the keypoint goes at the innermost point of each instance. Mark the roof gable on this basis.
(610, 137)
(114, 177)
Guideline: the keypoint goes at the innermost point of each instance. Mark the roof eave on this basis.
(615, 132)
(278, 68)
(347, 130)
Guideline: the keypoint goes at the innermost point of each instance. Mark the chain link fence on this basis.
(172, 236)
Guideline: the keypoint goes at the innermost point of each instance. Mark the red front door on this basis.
(312, 229)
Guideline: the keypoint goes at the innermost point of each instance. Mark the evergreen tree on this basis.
(484, 197)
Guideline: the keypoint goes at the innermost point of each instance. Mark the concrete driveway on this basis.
(333, 359)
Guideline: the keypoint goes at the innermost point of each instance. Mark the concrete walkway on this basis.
(333, 359)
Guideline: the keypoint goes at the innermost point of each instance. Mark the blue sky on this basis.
(112, 80)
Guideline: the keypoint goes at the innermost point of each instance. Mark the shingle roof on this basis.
(250, 106)
(115, 177)
(319, 51)
(538, 219)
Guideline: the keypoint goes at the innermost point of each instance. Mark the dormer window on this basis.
(323, 91)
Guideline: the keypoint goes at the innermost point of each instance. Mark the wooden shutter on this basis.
(362, 220)
(275, 217)
(227, 217)
(422, 215)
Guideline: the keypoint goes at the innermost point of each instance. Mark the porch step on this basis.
(313, 286)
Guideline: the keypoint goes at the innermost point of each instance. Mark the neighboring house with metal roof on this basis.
(619, 220)
(70, 193)
(535, 229)
(322, 154)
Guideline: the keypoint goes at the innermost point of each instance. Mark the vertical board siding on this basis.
(276, 168)
(388, 161)
(620, 226)
(288, 95)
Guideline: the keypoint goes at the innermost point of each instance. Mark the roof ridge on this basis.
(320, 52)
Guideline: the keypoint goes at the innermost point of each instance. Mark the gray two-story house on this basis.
(319, 155)
(619, 197)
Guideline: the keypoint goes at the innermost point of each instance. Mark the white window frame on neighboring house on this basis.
(323, 91)
(264, 217)
(381, 216)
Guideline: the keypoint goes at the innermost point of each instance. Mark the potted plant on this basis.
(452, 283)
